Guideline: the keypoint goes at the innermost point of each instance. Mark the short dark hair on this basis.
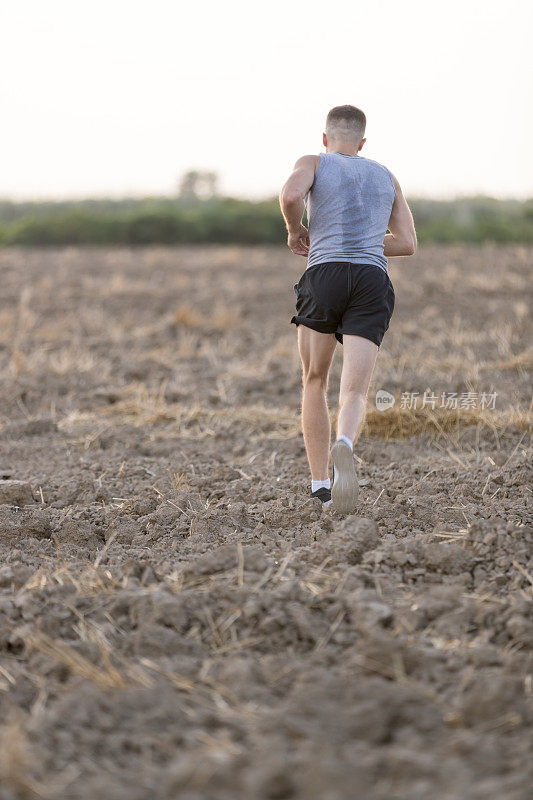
(348, 117)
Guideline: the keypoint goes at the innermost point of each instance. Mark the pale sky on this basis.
(115, 97)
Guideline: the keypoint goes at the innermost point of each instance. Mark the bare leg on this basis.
(316, 352)
(358, 364)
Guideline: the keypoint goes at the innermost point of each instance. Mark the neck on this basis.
(343, 148)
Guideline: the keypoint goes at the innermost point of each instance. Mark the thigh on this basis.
(358, 363)
(316, 350)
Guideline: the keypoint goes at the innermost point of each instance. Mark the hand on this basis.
(298, 241)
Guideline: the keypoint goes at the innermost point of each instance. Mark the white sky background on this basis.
(115, 97)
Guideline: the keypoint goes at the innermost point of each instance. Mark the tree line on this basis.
(210, 218)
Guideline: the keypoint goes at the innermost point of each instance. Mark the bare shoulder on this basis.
(307, 162)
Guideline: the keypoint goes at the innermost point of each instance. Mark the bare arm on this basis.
(401, 241)
(291, 200)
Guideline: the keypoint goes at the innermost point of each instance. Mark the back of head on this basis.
(346, 124)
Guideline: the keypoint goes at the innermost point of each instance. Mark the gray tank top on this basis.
(348, 210)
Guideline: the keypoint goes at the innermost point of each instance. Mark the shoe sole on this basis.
(345, 489)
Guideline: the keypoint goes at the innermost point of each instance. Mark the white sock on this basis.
(348, 441)
(320, 485)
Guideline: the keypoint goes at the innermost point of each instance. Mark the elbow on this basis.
(411, 246)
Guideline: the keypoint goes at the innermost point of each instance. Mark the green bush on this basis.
(224, 220)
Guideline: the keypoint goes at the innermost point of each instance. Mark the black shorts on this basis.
(339, 297)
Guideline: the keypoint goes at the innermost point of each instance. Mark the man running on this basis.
(345, 293)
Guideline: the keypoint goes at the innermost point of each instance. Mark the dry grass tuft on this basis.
(148, 409)
(106, 675)
(187, 317)
(523, 360)
(89, 581)
(401, 423)
(221, 317)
